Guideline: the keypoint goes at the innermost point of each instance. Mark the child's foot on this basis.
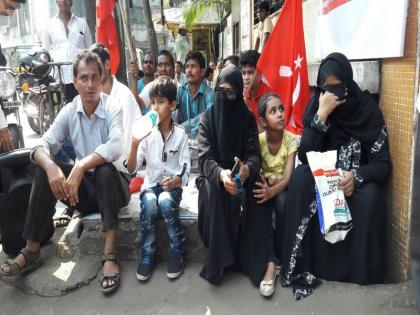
(144, 270)
(176, 266)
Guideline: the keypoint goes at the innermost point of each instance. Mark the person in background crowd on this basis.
(165, 66)
(182, 44)
(254, 87)
(165, 151)
(64, 37)
(92, 184)
(212, 65)
(219, 67)
(339, 117)
(208, 76)
(232, 60)
(6, 141)
(236, 230)
(148, 69)
(7, 7)
(180, 76)
(265, 27)
(194, 97)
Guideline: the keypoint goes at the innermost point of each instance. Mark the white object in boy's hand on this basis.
(142, 126)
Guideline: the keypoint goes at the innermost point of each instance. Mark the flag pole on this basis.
(127, 32)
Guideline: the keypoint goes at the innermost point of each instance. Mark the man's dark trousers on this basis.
(104, 190)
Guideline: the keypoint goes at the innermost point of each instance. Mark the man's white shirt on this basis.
(122, 97)
(65, 47)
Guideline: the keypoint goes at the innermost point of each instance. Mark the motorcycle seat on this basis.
(16, 159)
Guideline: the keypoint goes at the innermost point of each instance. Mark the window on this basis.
(275, 5)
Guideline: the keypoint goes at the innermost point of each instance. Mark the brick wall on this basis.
(397, 99)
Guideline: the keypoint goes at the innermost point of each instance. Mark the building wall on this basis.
(397, 103)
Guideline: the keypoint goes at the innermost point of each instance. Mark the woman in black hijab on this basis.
(338, 117)
(235, 229)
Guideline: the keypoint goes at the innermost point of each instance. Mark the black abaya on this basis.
(232, 236)
(362, 148)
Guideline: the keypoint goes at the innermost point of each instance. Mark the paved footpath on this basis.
(192, 295)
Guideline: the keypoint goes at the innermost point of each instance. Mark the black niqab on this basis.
(359, 116)
(228, 119)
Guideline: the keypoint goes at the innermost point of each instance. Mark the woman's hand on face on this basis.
(263, 192)
(228, 183)
(328, 102)
(347, 184)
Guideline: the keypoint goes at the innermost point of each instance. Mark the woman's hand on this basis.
(347, 184)
(228, 183)
(328, 102)
(264, 191)
(243, 170)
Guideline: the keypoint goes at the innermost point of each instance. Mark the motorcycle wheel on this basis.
(34, 124)
(16, 136)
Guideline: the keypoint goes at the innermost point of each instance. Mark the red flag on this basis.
(106, 31)
(283, 64)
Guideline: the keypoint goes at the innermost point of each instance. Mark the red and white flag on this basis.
(106, 31)
(283, 64)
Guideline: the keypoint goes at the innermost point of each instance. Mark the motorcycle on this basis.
(11, 102)
(46, 97)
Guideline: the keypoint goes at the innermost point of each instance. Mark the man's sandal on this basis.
(113, 276)
(64, 219)
(32, 262)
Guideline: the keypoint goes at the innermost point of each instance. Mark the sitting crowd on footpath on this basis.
(256, 190)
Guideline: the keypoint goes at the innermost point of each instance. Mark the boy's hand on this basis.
(169, 183)
(228, 183)
(264, 192)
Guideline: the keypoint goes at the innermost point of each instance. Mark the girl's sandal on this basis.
(32, 262)
(267, 287)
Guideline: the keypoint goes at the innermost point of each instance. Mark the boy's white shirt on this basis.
(177, 154)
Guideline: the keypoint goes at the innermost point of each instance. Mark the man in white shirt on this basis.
(265, 27)
(120, 96)
(64, 37)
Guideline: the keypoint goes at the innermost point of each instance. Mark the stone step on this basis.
(84, 236)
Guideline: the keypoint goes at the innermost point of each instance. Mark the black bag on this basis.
(16, 173)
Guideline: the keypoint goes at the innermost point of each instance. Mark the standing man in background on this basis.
(182, 44)
(265, 27)
(64, 37)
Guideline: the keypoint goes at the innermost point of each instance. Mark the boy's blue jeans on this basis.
(155, 202)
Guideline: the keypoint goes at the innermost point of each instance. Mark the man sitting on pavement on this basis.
(93, 183)
(194, 97)
(254, 87)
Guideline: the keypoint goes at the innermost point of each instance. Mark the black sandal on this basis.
(64, 219)
(113, 276)
(32, 261)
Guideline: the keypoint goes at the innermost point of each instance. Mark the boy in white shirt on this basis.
(165, 151)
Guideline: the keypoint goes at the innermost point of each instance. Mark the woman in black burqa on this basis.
(237, 233)
(338, 117)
